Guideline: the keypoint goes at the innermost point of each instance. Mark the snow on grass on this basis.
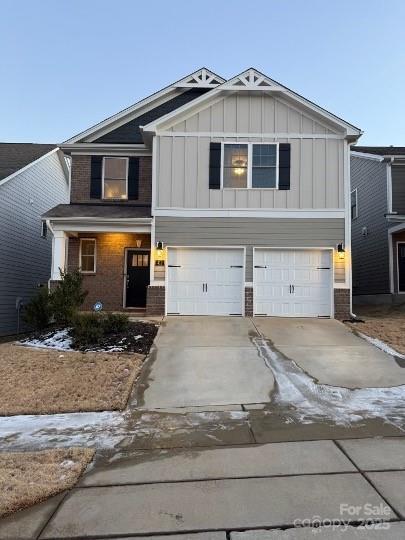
(59, 340)
(383, 346)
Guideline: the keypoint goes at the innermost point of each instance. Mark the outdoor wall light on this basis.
(341, 251)
(138, 243)
(159, 259)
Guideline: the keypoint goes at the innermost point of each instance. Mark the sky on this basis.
(66, 65)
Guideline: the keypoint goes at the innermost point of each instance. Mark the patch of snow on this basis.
(59, 340)
(67, 463)
(383, 346)
(138, 337)
(309, 402)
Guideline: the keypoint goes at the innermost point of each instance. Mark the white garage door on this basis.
(292, 283)
(205, 281)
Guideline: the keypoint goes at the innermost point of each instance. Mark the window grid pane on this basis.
(115, 168)
(115, 189)
(235, 166)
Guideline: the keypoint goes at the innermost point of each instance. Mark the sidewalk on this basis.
(226, 489)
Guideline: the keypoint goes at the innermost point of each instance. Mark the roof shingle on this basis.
(109, 211)
(15, 156)
(380, 150)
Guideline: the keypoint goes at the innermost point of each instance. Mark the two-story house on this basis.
(212, 197)
(378, 223)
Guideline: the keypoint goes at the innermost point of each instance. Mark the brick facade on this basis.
(81, 175)
(155, 301)
(248, 301)
(342, 303)
(107, 284)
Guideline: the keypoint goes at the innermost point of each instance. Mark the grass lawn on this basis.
(386, 323)
(27, 478)
(44, 381)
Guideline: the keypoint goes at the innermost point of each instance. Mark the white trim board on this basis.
(287, 213)
(235, 135)
(363, 155)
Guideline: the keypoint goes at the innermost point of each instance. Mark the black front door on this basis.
(401, 266)
(138, 276)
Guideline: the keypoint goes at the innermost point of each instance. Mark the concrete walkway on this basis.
(204, 494)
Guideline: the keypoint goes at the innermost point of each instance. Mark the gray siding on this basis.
(398, 189)
(25, 258)
(370, 255)
(252, 232)
(317, 164)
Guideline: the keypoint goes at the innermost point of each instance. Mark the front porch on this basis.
(112, 248)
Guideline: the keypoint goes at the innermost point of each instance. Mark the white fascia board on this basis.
(174, 116)
(288, 213)
(136, 109)
(96, 148)
(93, 225)
(16, 173)
(363, 155)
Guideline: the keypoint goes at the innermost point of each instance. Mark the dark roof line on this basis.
(16, 156)
(380, 150)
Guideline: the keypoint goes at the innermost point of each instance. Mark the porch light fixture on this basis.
(138, 243)
(341, 251)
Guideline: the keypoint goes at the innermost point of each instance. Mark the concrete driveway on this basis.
(212, 362)
(205, 362)
(331, 353)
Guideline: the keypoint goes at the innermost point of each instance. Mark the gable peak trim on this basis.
(203, 78)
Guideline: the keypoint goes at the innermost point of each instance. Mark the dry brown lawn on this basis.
(386, 323)
(28, 478)
(44, 381)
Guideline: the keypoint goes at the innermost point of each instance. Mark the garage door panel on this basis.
(206, 281)
(294, 283)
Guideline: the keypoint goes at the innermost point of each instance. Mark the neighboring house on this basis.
(212, 197)
(378, 223)
(33, 178)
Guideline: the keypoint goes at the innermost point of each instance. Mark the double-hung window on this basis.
(115, 178)
(250, 165)
(87, 255)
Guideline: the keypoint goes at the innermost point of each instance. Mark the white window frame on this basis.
(250, 165)
(102, 178)
(357, 204)
(95, 256)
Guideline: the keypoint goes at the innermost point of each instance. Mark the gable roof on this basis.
(16, 156)
(203, 78)
(253, 80)
(380, 150)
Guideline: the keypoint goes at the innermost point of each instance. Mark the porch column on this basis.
(59, 246)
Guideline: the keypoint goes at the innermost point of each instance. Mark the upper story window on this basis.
(250, 165)
(115, 178)
(353, 204)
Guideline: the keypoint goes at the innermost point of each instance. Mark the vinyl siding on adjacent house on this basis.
(398, 188)
(25, 257)
(317, 164)
(370, 255)
(252, 232)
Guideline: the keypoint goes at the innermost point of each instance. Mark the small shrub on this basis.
(68, 296)
(115, 323)
(87, 329)
(37, 313)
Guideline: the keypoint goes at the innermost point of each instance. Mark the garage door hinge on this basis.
(174, 265)
(257, 266)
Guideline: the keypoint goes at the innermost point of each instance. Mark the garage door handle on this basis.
(323, 267)
(174, 266)
(236, 266)
(257, 266)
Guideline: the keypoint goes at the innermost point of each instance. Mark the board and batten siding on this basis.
(25, 257)
(317, 164)
(370, 252)
(252, 232)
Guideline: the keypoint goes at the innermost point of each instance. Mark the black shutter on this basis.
(95, 182)
(133, 178)
(284, 165)
(215, 165)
